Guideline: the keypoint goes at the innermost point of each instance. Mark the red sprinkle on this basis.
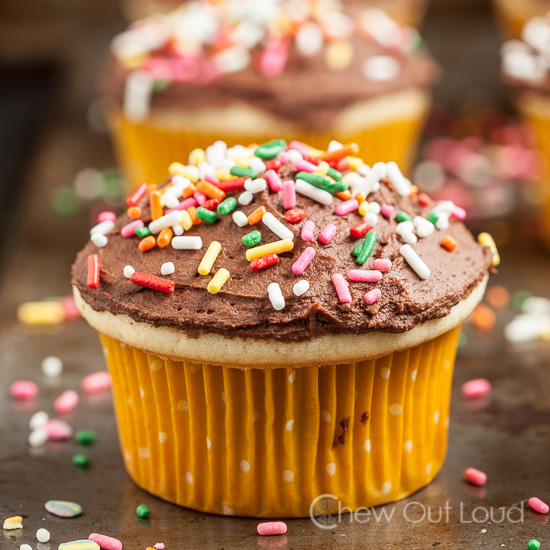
(151, 281)
(273, 164)
(93, 271)
(295, 215)
(423, 199)
(341, 165)
(360, 229)
(211, 204)
(137, 194)
(313, 160)
(264, 261)
(232, 184)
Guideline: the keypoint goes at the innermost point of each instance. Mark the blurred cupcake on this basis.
(241, 71)
(408, 12)
(288, 343)
(513, 14)
(526, 69)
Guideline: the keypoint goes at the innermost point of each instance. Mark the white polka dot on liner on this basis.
(385, 373)
(413, 375)
(396, 409)
(366, 446)
(288, 476)
(326, 416)
(223, 396)
(428, 468)
(163, 436)
(189, 478)
(289, 426)
(142, 392)
(255, 416)
(245, 466)
(156, 365)
(182, 405)
(143, 452)
(436, 417)
(208, 443)
(292, 377)
(408, 446)
(227, 510)
(331, 468)
(386, 487)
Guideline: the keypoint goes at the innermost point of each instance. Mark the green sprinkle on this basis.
(533, 544)
(334, 174)
(270, 149)
(143, 511)
(357, 249)
(338, 187)
(519, 297)
(403, 217)
(226, 206)
(433, 217)
(142, 232)
(206, 215)
(85, 437)
(252, 239)
(240, 171)
(160, 85)
(81, 461)
(318, 180)
(367, 248)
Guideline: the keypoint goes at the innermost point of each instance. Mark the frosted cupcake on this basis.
(526, 69)
(244, 71)
(294, 336)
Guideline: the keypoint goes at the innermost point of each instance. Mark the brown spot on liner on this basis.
(339, 440)
(364, 418)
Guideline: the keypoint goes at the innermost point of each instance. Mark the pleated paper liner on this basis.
(267, 443)
(145, 151)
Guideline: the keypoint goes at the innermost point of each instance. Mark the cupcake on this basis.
(292, 337)
(243, 71)
(513, 14)
(526, 69)
(408, 12)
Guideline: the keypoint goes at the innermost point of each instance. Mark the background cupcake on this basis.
(243, 71)
(513, 14)
(320, 364)
(526, 69)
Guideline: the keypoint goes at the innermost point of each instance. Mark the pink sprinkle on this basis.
(307, 230)
(159, 546)
(23, 390)
(386, 210)
(282, 157)
(476, 388)
(106, 215)
(273, 59)
(302, 148)
(538, 505)
(183, 205)
(459, 213)
(96, 382)
(130, 229)
(342, 288)
(211, 179)
(328, 233)
(346, 207)
(475, 477)
(365, 275)
(289, 194)
(272, 528)
(382, 264)
(70, 309)
(372, 296)
(107, 543)
(274, 181)
(66, 402)
(58, 430)
(200, 197)
(299, 266)
(305, 166)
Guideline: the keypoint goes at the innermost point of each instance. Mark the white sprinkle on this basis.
(169, 200)
(334, 146)
(103, 227)
(38, 420)
(405, 231)
(314, 193)
(271, 222)
(442, 222)
(167, 268)
(371, 218)
(294, 155)
(99, 239)
(423, 226)
(240, 218)
(536, 305)
(128, 271)
(255, 186)
(381, 68)
(174, 217)
(445, 207)
(372, 180)
(276, 296)
(38, 437)
(232, 60)
(309, 39)
(25, 547)
(400, 183)
(43, 535)
(413, 259)
(51, 366)
(137, 96)
(374, 207)
(258, 165)
(177, 230)
(301, 287)
(187, 243)
(245, 198)
(215, 153)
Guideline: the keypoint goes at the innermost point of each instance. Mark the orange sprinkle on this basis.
(344, 195)
(359, 197)
(211, 191)
(348, 150)
(413, 191)
(193, 214)
(154, 202)
(483, 318)
(498, 297)
(164, 238)
(147, 243)
(256, 216)
(134, 212)
(188, 191)
(448, 242)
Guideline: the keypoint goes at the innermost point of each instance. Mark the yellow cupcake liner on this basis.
(145, 151)
(268, 443)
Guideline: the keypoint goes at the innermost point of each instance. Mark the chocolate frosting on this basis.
(242, 307)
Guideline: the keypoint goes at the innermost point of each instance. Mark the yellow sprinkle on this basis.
(355, 162)
(272, 248)
(322, 169)
(338, 54)
(223, 174)
(485, 239)
(364, 208)
(186, 221)
(219, 279)
(13, 523)
(41, 313)
(177, 168)
(209, 257)
(196, 156)
(348, 177)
